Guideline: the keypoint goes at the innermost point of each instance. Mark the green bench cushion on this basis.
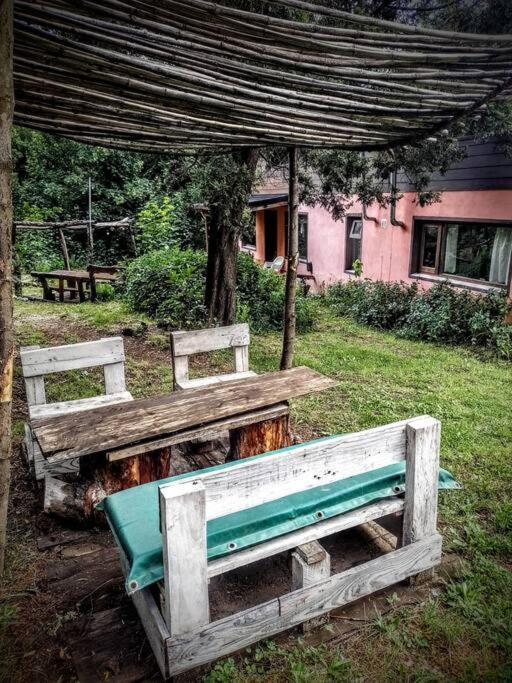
(133, 516)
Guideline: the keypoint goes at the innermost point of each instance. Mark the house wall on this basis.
(385, 249)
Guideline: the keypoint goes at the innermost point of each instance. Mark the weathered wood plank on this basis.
(211, 339)
(254, 482)
(115, 382)
(78, 405)
(301, 536)
(209, 432)
(423, 438)
(110, 427)
(214, 379)
(310, 564)
(72, 356)
(241, 358)
(233, 633)
(183, 525)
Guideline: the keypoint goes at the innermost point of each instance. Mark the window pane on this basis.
(428, 256)
(478, 251)
(303, 235)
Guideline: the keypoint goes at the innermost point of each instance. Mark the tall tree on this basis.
(226, 183)
(6, 314)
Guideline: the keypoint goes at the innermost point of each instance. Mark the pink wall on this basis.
(386, 251)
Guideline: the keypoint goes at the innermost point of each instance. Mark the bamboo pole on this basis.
(293, 260)
(6, 312)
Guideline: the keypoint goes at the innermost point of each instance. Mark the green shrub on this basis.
(380, 304)
(260, 297)
(441, 314)
(169, 286)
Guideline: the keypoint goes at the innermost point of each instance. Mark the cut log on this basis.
(99, 478)
(261, 437)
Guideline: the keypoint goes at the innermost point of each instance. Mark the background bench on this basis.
(185, 344)
(37, 362)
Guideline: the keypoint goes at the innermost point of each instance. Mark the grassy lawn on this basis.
(464, 630)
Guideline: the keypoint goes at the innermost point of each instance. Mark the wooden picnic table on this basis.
(77, 283)
(124, 445)
(127, 429)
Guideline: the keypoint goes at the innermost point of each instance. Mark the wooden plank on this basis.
(110, 427)
(214, 379)
(183, 525)
(72, 356)
(306, 466)
(310, 564)
(233, 633)
(154, 626)
(241, 358)
(78, 405)
(209, 432)
(420, 509)
(301, 536)
(34, 386)
(115, 382)
(179, 371)
(211, 339)
(152, 620)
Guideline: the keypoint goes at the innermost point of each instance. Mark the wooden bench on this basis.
(185, 344)
(181, 634)
(37, 362)
(108, 274)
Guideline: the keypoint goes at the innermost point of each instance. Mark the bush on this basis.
(169, 286)
(385, 305)
(442, 313)
(260, 296)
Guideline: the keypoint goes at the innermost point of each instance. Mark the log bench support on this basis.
(183, 637)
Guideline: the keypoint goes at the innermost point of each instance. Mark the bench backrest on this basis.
(185, 344)
(186, 505)
(37, 362)
(98, 270)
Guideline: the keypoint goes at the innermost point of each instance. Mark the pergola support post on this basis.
(6, 285)
(293, 260)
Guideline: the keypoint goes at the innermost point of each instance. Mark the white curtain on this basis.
(500, 258)
(450, 254)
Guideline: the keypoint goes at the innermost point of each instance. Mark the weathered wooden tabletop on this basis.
(115, 426)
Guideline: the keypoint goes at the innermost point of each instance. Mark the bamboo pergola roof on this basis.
(161, 75)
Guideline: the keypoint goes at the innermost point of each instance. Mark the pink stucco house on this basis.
(465, 238)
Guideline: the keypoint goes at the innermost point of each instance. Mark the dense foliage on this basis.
(441, 313)
(168, 285)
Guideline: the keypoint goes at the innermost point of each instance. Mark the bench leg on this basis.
(423, 436)
(261, 437)
(183, 525)
(311, 563)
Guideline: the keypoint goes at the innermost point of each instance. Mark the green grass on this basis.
(464, 631)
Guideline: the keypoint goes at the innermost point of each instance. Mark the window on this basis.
(353, 243)
(303, 235)
(474, 251)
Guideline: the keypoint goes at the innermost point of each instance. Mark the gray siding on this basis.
(485, 168)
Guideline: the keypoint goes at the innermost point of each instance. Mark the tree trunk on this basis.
(293, 261)
(226, 212)
(6, 314)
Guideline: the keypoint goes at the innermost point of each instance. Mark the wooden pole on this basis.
(64, 248)
(90, 240)
(293, 260)
(6, 313)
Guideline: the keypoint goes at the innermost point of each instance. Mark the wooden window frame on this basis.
(350, 219)
(417, 244)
